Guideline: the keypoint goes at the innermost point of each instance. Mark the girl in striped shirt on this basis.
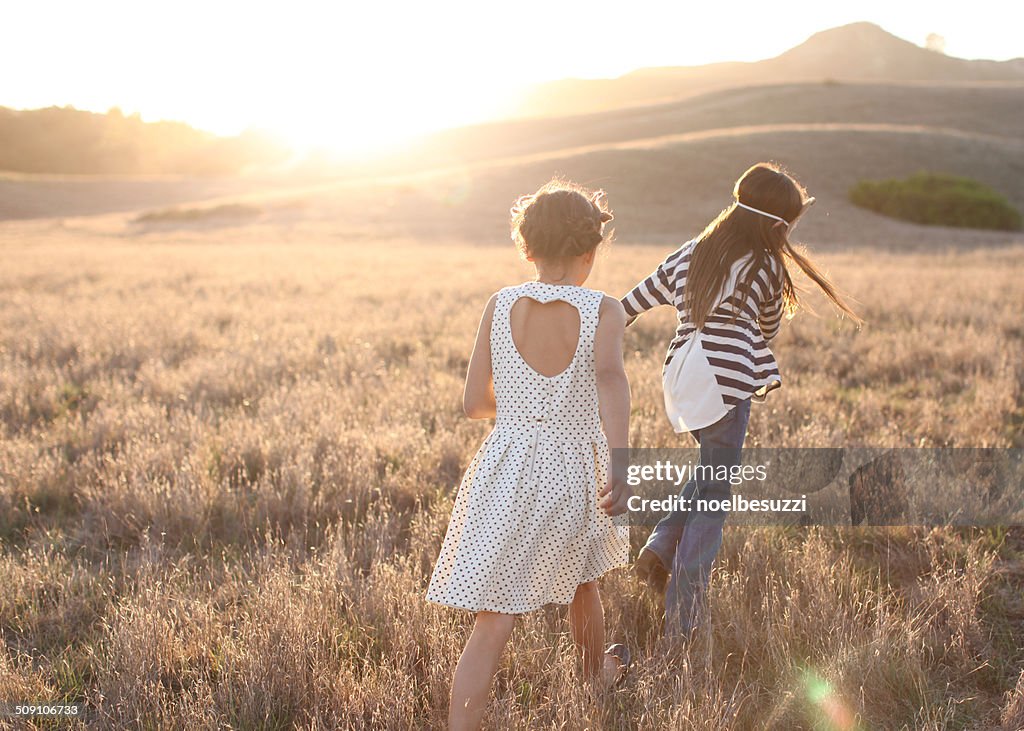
(730, 287)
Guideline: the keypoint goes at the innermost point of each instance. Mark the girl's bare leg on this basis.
(471, 685)
(586, 619)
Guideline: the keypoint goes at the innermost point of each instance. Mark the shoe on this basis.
(621, 653)
(648, 569)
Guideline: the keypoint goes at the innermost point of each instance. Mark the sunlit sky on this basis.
(348, 74)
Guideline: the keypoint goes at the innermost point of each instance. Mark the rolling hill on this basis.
(982, 109)
(669, 168)
(856, 52)
(664, 189)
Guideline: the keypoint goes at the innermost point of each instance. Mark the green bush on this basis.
(938, 200)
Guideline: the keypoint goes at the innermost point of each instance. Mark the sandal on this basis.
(621, 653)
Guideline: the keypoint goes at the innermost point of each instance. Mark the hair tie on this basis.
(763, 213)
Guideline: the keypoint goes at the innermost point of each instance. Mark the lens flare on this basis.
(835, 712)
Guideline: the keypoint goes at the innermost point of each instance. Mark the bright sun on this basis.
(375, 112)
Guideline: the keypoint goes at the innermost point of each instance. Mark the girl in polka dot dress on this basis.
(539, 516)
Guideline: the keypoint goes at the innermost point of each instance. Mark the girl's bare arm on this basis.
(614, 401)
(478, 396)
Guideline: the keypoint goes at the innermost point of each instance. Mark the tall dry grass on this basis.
(225, 472)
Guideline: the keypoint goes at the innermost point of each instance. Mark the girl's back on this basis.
(545, 333)
(542, 351)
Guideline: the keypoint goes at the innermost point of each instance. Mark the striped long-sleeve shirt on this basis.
(729, 359)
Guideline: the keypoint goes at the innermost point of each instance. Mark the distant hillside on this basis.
(981, 109)
(668, 167)
(64, 140)
(664, 189)
(856, 52)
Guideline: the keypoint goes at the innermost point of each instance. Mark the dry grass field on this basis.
(231, 425)
(228, 456)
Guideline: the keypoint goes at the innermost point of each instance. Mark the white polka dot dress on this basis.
(526, 529)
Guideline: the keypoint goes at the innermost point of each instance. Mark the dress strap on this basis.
(501, 322)
(588, 302)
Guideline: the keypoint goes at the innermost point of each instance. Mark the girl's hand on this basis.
(614, 497)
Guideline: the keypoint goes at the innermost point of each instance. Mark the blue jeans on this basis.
(687, 542)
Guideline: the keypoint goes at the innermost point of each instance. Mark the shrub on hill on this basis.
(939, 200)
(236, 211)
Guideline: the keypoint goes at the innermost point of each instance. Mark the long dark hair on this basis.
(737, 232)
